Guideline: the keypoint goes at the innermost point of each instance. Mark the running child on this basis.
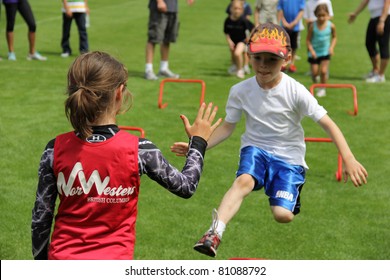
(95, 170)
(272, 154)
(321, 40)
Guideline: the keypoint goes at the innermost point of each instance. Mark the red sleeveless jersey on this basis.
(98, 185)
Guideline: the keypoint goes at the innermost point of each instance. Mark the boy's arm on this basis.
(161, 6)
(221, 133)
(297, 19)
(353, 168)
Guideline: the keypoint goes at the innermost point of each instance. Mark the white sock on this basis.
(220, 228)
(148, 67)
(163, 65)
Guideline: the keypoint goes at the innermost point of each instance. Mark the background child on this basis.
(77, 10)
(248, 15)
(163, 29)
(266, 11)
(311, 5)
(236, 27)
(290, 13)
(24, 8)
(95, 170)
(272, 154)
(321, 40)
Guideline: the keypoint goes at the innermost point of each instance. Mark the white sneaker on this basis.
(376, 79)
(321, 92)
(36, 56)
(65, 54)
(241, 74)
(369, 75)
(149, 75)
(11, 56)
(247, 70)
(232, 70)
(168, 73)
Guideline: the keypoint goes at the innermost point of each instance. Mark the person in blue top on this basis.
(290, 13)
(321, 40)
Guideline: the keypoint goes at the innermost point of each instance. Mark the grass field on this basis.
(337, 220)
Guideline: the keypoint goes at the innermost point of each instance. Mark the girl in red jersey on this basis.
(95, 169)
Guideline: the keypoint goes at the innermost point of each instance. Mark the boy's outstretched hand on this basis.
(201, 127)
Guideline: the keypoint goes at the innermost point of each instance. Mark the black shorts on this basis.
(294, 35)
(318, 60)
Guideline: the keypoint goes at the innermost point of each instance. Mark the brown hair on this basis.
(92, 80)
(321, 7)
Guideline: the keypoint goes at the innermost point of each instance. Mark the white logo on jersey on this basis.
(102, 187)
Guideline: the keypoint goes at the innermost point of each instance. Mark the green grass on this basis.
(337, 220)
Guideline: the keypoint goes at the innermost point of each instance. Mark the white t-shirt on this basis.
(375, 7)
(273, 117)
(311, 5)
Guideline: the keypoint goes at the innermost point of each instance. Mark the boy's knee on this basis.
(245, 181)
(282, 215)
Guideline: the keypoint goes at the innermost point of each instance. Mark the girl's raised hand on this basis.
(202, 125)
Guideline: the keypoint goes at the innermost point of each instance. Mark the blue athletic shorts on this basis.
(282, 182)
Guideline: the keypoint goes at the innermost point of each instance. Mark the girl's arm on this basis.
(309, 45)
(353, 168)
(230, 42)
(334, 40)
(44, 207)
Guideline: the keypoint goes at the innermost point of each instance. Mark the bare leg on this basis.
(324, 71)
(383, 66)
(10, 41)
(282, 215)
(149, 52)
(31, 41)
(375, 63)
(232, 200)
(164, 49)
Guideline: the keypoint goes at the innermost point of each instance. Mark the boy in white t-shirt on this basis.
(272, 154)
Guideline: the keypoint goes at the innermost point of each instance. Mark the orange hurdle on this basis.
(352, 87)
(339, 172)
(133, 128)
(201, 82)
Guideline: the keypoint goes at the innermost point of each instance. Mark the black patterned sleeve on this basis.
(181, 183)
(43, 211)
